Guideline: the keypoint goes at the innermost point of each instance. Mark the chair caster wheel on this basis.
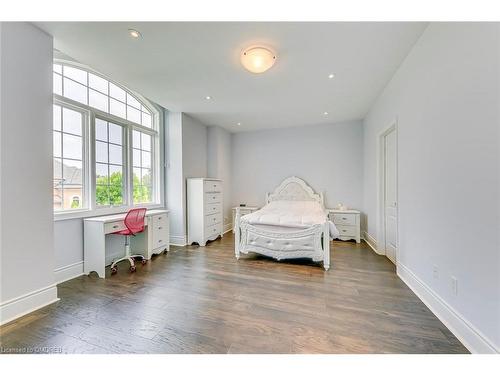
(132, 268)
(114, 270)
(144, 261)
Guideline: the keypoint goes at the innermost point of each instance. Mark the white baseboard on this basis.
(372, 242)
(178, 240)
(68, 272)
(29, 302)
(470, 336)
(228, 227)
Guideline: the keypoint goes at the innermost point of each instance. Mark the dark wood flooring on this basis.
(202, 300)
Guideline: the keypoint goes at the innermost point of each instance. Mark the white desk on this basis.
(154, 240)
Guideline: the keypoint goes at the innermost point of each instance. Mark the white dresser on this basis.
(204, 210)
(347, 222)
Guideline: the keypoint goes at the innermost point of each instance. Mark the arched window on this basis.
(105, 143)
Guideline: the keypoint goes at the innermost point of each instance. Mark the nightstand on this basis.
(347, 222)
(243, 211)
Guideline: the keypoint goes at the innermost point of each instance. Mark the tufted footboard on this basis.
(312, 242)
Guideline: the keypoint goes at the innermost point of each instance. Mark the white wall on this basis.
(446, 99)
(219, 161)
(327, 157)
(27, 243)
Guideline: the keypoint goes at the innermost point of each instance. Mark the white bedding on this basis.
(290, 214)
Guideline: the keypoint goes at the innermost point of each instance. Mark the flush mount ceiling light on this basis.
(258, 59)
(325, 113)
(239, 124)
(331, 75)
(134, 33)
(208, 97)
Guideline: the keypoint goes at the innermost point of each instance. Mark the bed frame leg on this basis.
(326, 246)
(237, 234)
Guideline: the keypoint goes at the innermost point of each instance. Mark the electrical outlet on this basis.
(435, 271)
(454, 285)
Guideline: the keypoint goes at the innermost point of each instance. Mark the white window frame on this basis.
(90, 113)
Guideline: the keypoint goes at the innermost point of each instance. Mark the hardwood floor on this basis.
(201, 300)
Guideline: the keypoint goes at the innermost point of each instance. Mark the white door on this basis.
(391, 195)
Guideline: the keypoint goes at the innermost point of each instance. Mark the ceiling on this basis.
(178, 64)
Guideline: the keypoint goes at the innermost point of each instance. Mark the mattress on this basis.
(286, 216)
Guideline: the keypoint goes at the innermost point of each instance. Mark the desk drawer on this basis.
(213, 197)
(114, 227)
(213, 186)
(159, 220)
(344, 219)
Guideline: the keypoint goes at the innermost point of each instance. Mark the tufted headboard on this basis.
(294, 189)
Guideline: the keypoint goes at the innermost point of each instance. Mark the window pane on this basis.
(101, 174)
(101, 152)
(146, 176)
(115, 154)
(115, 133)
(146, 120)
(57, 68)
(56, 118)
(72, 172)
(146, 142)
(133, 101)
(133, 114)
(117, 108)
(115, 175)
(76, 74)
(146, 159)
(136, 139)
(98, 83)
(98, 100)
(116, 195)
(56, 144)
(73, 197)
(136, 157)
(101, 130)
(57, 172)
(75, 91)
(116, 92)
(72, 121)
(137, 176)
(101, 195)
(57, 84)
(58, 197)
(72, 147)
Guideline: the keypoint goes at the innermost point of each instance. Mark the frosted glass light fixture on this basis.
(258, 59)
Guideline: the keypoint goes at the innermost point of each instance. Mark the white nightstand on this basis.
(347, 222)
(243, 211)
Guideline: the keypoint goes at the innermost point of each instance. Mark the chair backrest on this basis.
(134, 220)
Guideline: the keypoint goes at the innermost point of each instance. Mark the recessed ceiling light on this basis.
(258, 59)
(325, 113)
(134, 33)
(208, 97)
(331, 75)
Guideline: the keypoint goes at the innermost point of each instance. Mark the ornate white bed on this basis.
(282, 241)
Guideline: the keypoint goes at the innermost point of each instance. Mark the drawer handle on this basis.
(160, 228)
(213, 197)
(344, 218)
(343, 230)
(159, 218)
(115, 226)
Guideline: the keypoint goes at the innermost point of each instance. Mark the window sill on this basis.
(61, 216)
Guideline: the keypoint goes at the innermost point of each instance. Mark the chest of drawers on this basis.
(204, 210)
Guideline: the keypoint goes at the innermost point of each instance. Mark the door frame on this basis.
(381, 188)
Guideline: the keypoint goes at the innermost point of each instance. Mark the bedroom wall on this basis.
(26, 258)
(219, 161)
(327, 157)
(445, 97)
